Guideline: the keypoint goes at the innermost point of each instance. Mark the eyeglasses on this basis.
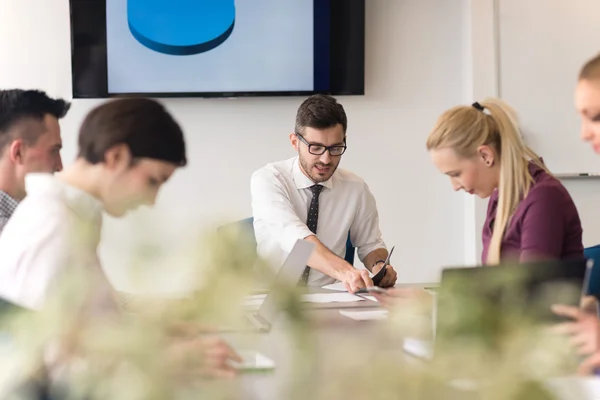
(319, 149)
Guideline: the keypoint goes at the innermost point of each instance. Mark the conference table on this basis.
(350, 360)
(342, 365)
(339, 344)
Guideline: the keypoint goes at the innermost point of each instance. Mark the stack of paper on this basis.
(339, 286)
(330, 298)
(257, 300)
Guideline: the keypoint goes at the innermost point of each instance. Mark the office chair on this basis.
(593, 288)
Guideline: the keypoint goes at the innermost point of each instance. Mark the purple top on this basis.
(545, 224)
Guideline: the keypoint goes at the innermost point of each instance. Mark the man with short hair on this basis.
(308, 197)
(127, 149)
(29, 142)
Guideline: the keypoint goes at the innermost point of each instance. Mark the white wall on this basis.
(482, 81)
(491, 23)
(586, 195)
(542, 41)
(416, 67)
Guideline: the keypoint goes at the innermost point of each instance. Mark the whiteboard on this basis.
(542, 45)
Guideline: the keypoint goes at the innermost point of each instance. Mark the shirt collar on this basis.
(536, 173)
(82, 203)
(302, 181)
(8, 204)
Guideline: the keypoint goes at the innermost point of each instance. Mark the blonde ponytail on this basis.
(515, 179)
(465, 128)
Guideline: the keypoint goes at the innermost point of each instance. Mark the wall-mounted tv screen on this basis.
(217, 48)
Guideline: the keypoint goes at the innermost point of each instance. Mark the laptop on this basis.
(289, 274)
(477, 304)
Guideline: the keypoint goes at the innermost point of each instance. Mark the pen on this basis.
(379, 275)
(387, 260)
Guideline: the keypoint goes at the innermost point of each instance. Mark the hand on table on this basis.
(355, 279)
(203, 356)
(584, 328)
(390, 277)
(589, 304)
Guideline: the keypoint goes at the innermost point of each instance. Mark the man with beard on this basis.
(308, 197)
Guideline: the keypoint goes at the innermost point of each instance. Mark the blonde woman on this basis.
(585, 327)
(530, 214)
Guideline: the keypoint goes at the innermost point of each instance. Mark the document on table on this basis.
(367, 315)
(339, 286)
(257, 299)
(331, 298)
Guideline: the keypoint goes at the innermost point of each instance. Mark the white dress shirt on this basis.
(280, 201)
(53, 233)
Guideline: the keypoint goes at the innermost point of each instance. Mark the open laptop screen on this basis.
(483, 303)
(288, 275)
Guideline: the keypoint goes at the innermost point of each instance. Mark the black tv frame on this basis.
(346, 62)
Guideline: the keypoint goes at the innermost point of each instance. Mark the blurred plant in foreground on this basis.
(153, 350)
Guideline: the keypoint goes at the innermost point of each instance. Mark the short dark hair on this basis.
(320, 111)
(17, 105)
(144, 125)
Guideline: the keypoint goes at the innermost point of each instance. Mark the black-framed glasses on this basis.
(319, 149)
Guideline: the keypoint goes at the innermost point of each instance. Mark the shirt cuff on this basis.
(364, 251)
(293, 234)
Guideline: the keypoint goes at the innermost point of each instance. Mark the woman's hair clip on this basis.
(481, 108)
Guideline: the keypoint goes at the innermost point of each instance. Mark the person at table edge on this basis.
(308, 197)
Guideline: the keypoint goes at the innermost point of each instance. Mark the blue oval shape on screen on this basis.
(181, 27)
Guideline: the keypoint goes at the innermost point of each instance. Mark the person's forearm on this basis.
(374, 256)
(325, 261)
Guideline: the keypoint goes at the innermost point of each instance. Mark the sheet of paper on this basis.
(258, 299)
(330, 298)
(339, 286)
(367, 315)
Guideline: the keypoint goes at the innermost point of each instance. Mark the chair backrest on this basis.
(593, 253)
(244, 226)
(247, 224)
(349, 257)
